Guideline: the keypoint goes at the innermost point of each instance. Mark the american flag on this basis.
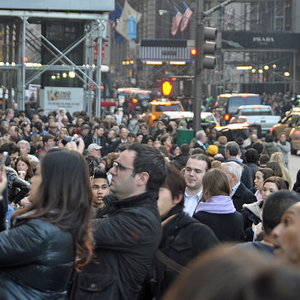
(176, 21)
(186, 17)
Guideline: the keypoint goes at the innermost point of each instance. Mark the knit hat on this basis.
(212, 150)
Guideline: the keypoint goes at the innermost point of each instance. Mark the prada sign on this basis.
(251, 40)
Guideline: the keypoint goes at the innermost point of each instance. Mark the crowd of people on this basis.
(110, 208)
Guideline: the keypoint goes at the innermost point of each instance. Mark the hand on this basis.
(25, 202)
(3, 180)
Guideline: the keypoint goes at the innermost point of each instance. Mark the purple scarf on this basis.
(217, 205)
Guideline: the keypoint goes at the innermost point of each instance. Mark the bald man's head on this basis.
(287, 236)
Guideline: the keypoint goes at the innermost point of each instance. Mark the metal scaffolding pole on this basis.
(22, 102)
(65, 57)
(98, 74)
(59, 57)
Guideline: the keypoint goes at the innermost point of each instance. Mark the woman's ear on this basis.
(206, 195)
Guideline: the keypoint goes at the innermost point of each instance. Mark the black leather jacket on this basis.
(125, 243)
(36, 260)
(17, 187)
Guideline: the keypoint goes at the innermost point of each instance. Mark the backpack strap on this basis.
(170, 263)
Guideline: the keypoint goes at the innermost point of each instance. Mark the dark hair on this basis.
(240, 141)
(202, 157)
(275, 167)
(173, 147)
(263, 159)
(9, 147)
(175, 182)
(164, 138)
(198, 151)
(251, 156)
(215, 183)
(259, 147)
(280, 183)
(38, 125)
(236, 273)
(274, 207)
(233, 148)
(269, 138)
(150, 137)
(149, 159)
(48, 137)
(267, 172)
(185, 148)
(99, 173)
(65, 189)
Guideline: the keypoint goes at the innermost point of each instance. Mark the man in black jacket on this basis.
(126, 240)
(233, 153)
(240, 194)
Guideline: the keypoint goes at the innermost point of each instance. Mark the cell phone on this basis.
(3, 160)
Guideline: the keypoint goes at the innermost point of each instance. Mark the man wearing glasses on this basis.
(127, 239)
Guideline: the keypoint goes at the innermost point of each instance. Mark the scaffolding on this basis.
(21, 34)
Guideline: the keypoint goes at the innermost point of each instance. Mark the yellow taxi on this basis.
(157, 107)
(290, 125)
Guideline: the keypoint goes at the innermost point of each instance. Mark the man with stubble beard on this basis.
(196, 167)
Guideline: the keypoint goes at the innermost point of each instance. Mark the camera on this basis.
(67, 139)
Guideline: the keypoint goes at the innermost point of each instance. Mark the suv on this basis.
(157, 108)
(290, 125)
(227, 104)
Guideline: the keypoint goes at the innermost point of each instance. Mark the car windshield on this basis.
(235, 102)
(143, 96)
(256, 112)
(172, 107)
(208, 118)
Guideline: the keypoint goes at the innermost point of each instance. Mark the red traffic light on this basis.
(194, 51)
(167, 88)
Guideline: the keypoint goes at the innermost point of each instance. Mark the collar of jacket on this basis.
(174, 210)
(112, 203)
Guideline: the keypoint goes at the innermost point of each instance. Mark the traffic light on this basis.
(194, 51)
(166, 88)
(209, 47)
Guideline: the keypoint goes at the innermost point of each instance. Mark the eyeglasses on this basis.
(120, 167)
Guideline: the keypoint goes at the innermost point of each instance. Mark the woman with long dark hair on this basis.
(38, 254)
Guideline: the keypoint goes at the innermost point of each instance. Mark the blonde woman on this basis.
(278, 157)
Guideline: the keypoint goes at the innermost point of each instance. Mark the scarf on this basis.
(217, 205)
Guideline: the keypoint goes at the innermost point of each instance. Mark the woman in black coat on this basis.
(218, 211)
(37, 254)
(183, 238)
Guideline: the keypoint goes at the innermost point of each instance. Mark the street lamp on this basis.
(72, 74)
(286, 74)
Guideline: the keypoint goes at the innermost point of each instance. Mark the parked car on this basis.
(290, 125)
(260, 116)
